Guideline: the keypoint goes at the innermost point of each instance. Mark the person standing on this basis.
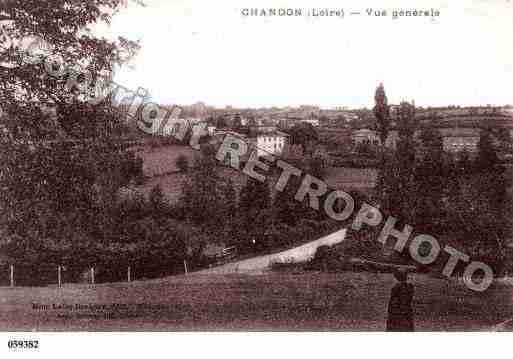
(400, 311)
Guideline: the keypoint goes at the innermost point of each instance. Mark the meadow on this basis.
(311, 301)
(160, 169)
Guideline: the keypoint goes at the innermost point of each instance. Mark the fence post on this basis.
(59, 275)
(92, 275)
(12, 275)
(129, 274)
(185, 266)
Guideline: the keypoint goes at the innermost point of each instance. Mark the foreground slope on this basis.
(304, 301)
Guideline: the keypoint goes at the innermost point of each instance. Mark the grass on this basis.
(363, 179)
(159, 166)
(162, 160)
(276, 301)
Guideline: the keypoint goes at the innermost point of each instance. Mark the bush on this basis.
(154, 142)
(275, 237)
(328, 226)
(362, 244)
(301, 233)
(287, 266)
(314, 225)
(325, 258)
(182, 163)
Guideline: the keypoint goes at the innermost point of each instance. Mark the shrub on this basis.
(327, 226)
(314, 225)
(325, 258)
(182, 163)
(287, 266)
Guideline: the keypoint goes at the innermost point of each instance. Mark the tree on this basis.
(204, 194)
(27, 87)
(221, 122)
(382, 114)
(51, 186)
(182, 163)
(251, 121)
(303, 134)
(492, 183)
(254, 208)
(317, 167)
(230, 205)
(429, 180)
(464, 165)
(477, 211)
(288, 210)
(398, 174)
(237, 121)
(486, 153)
(157, 201)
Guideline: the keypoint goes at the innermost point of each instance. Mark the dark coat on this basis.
(400, 312)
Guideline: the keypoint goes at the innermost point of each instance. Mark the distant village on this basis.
(267, 128)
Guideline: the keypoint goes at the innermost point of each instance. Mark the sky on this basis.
(205, 50)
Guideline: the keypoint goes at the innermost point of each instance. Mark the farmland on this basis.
(159, 166)
(162, 160)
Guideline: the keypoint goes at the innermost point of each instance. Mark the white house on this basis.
(365, 136)
(173, 126)
(269, 143)
(460, 139)
(312, 121)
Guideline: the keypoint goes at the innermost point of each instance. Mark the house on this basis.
(211, 130)
(460, 143)
(261, 129)
(312, 121)
(171, 126)
(366, 136)
(269, 143)
(293, 152)
(460, 139)
(454, 139)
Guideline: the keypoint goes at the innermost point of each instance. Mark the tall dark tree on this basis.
(492, 182)
(221, 122)
(255, 197)
(464, 164)
(486, 152)
(237, 121)
(202, 195)
(230, 205)
(398, 174)
(157, 202)
(303, 134)
(287, 209)
(382, 113)
(317, 167)
(429, 180)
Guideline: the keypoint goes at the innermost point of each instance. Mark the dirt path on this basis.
(298, 254)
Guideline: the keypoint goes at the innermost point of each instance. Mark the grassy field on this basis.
(363, 179)
(172, 184)
(159, 162)
(305, 301)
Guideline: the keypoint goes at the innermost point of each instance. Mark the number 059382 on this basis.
(23, 344)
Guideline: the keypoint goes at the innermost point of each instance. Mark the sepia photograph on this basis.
(255, 166)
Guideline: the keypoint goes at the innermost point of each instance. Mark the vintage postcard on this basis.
(246, 165)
